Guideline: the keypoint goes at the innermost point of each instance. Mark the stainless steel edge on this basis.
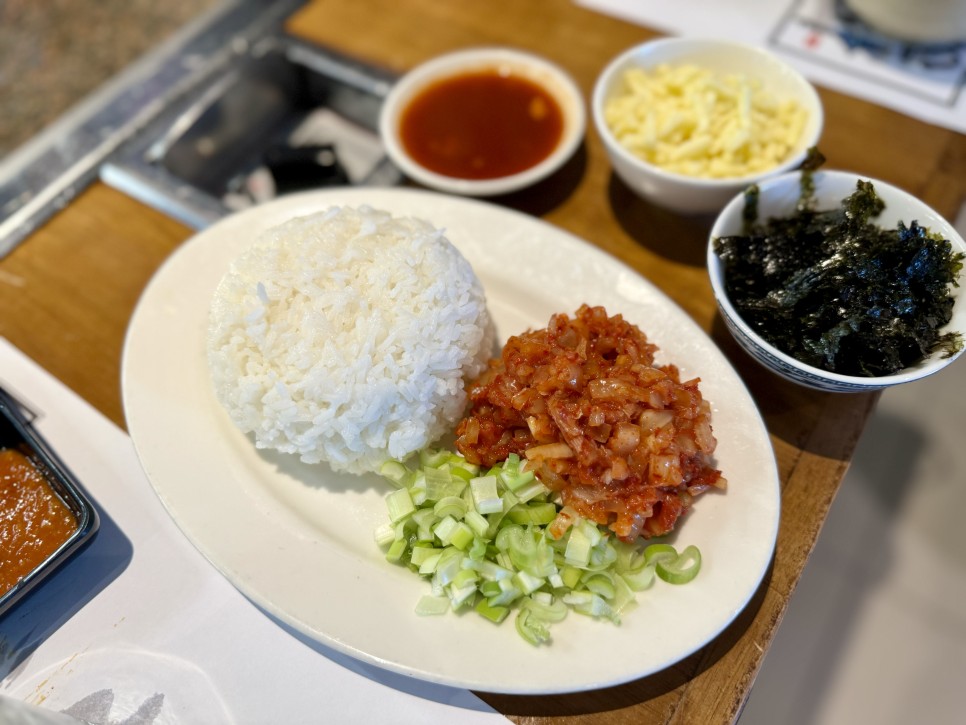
(43, 176)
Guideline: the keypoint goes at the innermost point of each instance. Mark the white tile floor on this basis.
(876, 631)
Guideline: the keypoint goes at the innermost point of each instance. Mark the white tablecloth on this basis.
(139, 628)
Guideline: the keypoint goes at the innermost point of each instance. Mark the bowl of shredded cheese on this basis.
(689, 122)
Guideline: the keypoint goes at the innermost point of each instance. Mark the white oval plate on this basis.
(298, 539)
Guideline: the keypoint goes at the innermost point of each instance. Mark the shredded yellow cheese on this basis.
(692, 121)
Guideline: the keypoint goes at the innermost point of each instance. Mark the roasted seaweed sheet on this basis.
(836, 291)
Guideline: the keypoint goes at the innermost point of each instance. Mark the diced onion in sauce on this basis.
(621, 439)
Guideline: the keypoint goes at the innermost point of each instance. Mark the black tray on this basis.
(17, 432)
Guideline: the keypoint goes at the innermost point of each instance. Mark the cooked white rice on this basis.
(346, 336)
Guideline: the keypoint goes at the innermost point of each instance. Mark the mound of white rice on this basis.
(346, 336)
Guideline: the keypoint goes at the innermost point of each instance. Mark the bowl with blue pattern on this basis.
(779, 198)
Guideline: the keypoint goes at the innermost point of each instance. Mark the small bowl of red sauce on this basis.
(45, 517)
(482, 121)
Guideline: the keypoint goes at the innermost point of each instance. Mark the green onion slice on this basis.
(483, 541)
(681, 569)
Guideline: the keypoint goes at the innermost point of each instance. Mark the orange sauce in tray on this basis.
(34, 522)
(481, 125)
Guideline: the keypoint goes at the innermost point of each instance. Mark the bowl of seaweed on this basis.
(838, 281)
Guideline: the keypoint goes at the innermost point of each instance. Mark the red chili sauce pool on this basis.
(481, 125)
(34, 522)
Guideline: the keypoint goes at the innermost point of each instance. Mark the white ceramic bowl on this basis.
(926, 21)
(525, 65)
(688, 194)
(777, 198)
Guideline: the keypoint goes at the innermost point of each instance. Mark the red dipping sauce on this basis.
(34, 522)
(481, 125)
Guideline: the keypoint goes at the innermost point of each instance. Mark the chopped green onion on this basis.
(440, 484)
(494, 614)
(623, 598)
(462, 536)
(571, 576)
(394, 471)
(428, 565)
(450, 506)
(496, 519)
(475, 520)
(430, 458)
(536, 513)
(461, 473)
(477, 549)
(588, 603)
(485, 495)
(490, 589)
(448, 566)
(458, 596)
(419, 554)
(533, 629)
(482, 541)
(465, 577)
(545, 606)
(681, 569)
(489, 570)
(600, 583)
(514, 479)
(385, 534)
(400, 504)
(530, 491)
(507, 594)
(396, 551)
(659, 552)
(639, 580)
(583, 537)
(429, 605)
(445, 528)
(527, 583)
(424, 520)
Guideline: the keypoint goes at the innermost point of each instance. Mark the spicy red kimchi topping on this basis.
(624, 441)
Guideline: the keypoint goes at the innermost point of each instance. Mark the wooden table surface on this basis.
(67, 294)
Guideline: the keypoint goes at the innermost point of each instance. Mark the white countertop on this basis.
(140, 628)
